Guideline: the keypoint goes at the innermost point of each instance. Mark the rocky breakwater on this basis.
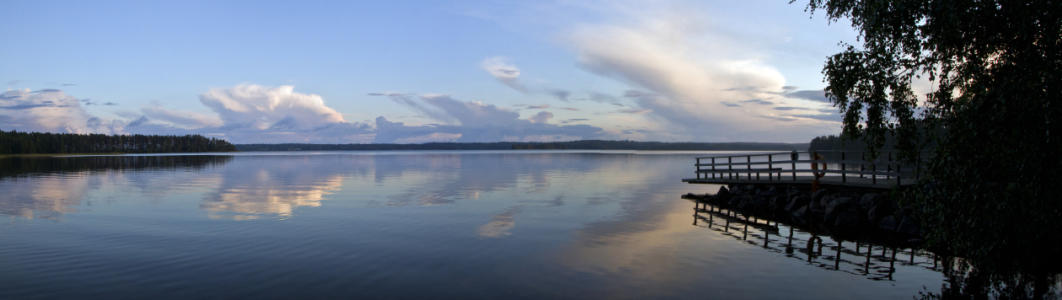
(843, 214)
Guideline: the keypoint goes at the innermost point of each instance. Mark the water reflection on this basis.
(452, 224)
(264, 186)
(47, 187)
(964, 279)
(864, 258)
(500, 224)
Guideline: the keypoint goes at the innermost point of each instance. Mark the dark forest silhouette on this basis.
(14, 142)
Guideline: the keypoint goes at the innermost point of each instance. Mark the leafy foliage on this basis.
(997, 70)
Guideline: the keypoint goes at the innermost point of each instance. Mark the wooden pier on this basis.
(839, 169)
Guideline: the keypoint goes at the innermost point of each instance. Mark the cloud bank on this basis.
(260, 114)
(694, 80)
(50, 110)
(473, 121)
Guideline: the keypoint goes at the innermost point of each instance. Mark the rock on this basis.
(835, 207)
(735, 201)
(760, 206)
(777, 203)
(850, 222)
(799, 215)
(747, 189)
(797, 202)
(722, 191)
(817, 196)
(909, 227)
(888, 224)
(879, 211)
(869, 200)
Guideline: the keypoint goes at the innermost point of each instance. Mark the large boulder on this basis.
(736, 200)
(909, 227)
(800, 215)
(888, 224)
(869, 200)
(837, 206)
(879, 211)
(849, 223)
(797, 202)
(722, 191)
(777, 203)
(816, 197)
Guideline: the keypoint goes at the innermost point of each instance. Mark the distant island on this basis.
(572, 145)
(14, 142)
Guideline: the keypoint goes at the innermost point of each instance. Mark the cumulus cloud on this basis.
(50, 110)
(182, 119)
(541, 117)
(255, 114)
(253, 106)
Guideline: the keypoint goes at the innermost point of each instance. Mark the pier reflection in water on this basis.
(964, 278)
(876, 262)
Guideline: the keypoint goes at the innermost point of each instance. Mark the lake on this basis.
(409, 224)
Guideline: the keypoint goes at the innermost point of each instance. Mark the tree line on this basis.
(14, 142)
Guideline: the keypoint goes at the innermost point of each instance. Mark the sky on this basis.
(421, 71)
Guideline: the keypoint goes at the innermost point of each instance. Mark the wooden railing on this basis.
(788, 165)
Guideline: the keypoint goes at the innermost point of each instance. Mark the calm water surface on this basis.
(403, 225)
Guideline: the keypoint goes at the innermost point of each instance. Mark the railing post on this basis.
(793, 157)
(713, 169)
(748, 159)
(698, 168)
(888, 167)
(770, 167)
(844, 170)
(862, 159)
(874, 175)
(730, 166)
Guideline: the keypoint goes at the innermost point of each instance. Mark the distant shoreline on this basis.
(573, 145)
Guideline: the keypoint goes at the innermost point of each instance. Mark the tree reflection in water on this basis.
(47, 187)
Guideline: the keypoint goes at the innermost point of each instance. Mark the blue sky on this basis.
(419, 71)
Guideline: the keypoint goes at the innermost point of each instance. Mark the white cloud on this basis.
(181, 119)
(263, 108)
(541, 117)
(509, 74)
(473, 121)
(50, 111)
(506, 73)
(256, 114)
(692, 71)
